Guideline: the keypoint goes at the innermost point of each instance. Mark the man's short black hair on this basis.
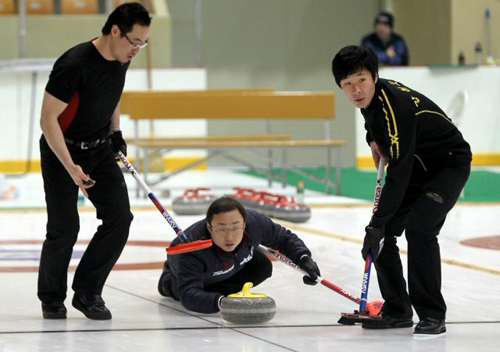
(224, 205)
(352, 59)
(125, 16)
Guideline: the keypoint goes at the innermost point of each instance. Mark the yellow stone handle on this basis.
(245, 292)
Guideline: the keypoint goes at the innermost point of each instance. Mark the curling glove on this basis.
(311, 268)
(374, 242)
(118, 143)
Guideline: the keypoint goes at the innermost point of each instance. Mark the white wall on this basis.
(15, 104)
(480, 123)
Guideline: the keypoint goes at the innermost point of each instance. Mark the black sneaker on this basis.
(164, 282)
(91, 306)
(54, 310)
(430, 326)
(388, 322)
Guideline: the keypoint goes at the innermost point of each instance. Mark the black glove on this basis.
(311, 268)
(117, 142)
(374, 242)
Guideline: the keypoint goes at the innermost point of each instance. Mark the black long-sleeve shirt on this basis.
(195, 270)
(407, 125)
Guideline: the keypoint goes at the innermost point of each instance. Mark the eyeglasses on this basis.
(134, 45)
(224, 230)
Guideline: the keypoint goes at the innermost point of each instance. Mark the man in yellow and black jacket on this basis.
(429, 164)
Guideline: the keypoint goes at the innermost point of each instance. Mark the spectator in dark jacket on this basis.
(201, 279)
(390, 47)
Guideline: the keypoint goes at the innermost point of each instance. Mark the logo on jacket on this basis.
(225, 271)
(416, 101)
(248, 258)
(435, 197)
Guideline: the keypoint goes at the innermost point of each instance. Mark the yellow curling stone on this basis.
(247, 308)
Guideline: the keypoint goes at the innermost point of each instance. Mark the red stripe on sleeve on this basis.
(68, 115)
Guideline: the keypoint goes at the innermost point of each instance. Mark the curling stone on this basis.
(279, 207)
(247, 308)
(192, 202)
(246, 196)
(287, 210)
(273, 205)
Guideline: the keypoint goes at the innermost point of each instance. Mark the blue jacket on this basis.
(402, 57)
(194, 270)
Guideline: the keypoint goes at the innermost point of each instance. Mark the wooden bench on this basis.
(208, 139)
(234, 105)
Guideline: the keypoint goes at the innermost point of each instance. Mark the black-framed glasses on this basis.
(134, 45)
(224, 230)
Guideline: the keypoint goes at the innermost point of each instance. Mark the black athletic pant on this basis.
(256, 271)
(109, 196)
(428, 199)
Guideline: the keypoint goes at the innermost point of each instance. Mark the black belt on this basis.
(86, 144)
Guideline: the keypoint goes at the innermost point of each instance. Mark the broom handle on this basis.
(151, 196)
(368, 264)
(326, 283)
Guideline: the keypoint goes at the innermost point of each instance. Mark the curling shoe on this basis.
(55, 310)
(165, 281)
(91, 306)
(388, 322)
(430, 326)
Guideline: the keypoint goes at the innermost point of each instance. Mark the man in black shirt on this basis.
(80, 122)
(429, 164)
